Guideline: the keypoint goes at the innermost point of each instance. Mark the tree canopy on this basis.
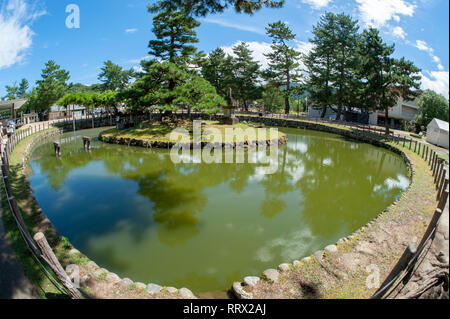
(431, 105)
(283, 60)
(205, 7)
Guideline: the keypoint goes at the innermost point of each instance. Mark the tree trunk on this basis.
(324, 112)
(387, 121)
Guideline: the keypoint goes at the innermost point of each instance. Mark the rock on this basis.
(74, 252)
(171, 290)
(331, 248)
(240, 292)
(306, 259)
(125, 282)
(100, 272)
(271, 275)
(186, 293)
(140, 285)
(153, 289)
(85, 279)
(251, 281)
(296, 263)
(284, 267)
(319, 255)
(92, 265)
(112, 277)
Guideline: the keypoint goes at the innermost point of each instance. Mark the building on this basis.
(9, 109)
(403, 111)
(437, 133)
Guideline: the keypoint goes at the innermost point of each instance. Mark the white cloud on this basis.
(261, 48)
(436, 81)
(131, 31)
(317, 4)
(16, 35)
(423, 46)
(234, 25)
(378, 13)
(399, 32)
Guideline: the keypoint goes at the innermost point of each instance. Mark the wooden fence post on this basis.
(443, 200)
(438, 172)
(415, 148)
(442, 189)
(441, 180)
(50, 258)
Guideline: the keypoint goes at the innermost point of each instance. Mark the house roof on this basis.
(441, 124)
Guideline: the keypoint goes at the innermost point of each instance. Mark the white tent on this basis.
(437, 133)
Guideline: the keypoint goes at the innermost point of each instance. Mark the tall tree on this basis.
(332, 62)
(283, 68)
(245, 75)
(113, 77)
(218, 71)
(174, 31)
(49, 89)
(344, 60)
(23, 89)
(12, 91)
(204, 7)
(385, 78)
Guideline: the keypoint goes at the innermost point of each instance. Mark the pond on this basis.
(204, 226)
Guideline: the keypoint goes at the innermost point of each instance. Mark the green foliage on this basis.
(204, 7)
(431, 105)
(49, 89)
(283, 60)
(218, 70)
(272, 99)
(174, 31)
(113, 77)
(333, 61)
(152, 90)
(245, 75)
(385, 78)
(17, 91)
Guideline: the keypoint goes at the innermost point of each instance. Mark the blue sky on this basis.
(32, 32)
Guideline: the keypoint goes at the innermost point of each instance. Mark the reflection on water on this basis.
(206, 225)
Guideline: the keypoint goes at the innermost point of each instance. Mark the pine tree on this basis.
(283, 60)
(49, 89)
(218, 71)
(113, 77)
(246, 75)
(174, 31)
(385, 78)
(204, 7)
(344, 61)
(332, 62)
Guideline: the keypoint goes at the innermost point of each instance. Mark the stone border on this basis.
(269, 274)
(104, 137)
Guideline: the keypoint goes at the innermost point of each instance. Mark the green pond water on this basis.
(204, 226)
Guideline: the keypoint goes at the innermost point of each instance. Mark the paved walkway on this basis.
(13, 282)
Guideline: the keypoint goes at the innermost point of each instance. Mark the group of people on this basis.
(9, 130)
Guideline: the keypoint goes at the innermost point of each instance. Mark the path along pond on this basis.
(204, 226)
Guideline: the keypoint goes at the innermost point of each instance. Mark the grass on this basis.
(31, 216)
(161, 132)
